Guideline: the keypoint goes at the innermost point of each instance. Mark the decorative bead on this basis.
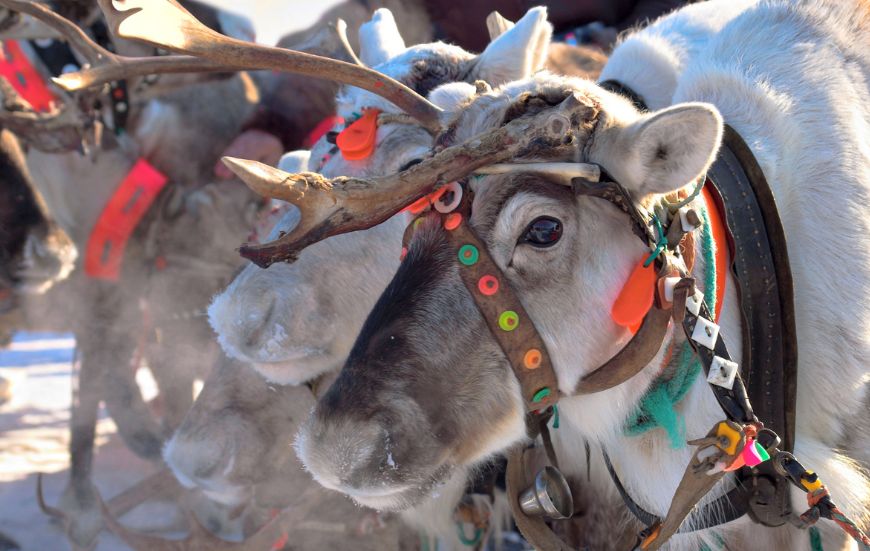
(417, 223)
(532, 359)
(540, 395)
(468, 255)
(724, 429)
(693, 303)
(508, 320)
(487, 285)
(706, 333)
(452, 221)
(811, 486)
(670, 283)
(404, 253)
(722, 372)
(448, 197)
(762, 453)
(751, 457)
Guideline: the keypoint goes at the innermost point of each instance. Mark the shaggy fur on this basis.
(789, 78)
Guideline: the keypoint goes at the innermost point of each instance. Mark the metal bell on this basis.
(549, 496)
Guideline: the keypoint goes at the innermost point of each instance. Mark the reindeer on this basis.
(426, 372)
(34, 252)
(147, 309)
(258, 322)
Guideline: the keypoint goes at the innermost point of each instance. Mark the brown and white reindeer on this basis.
(427, 374)
(294, 323)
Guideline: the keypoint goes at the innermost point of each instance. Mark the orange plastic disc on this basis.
(452, 221)
(418, 206)
(636, 297)
(357, 141)
(532, 359)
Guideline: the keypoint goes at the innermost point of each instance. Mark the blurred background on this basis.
(275, 18)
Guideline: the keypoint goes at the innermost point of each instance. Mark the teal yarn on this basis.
(720, 543)
(815, 539)
(657, 409)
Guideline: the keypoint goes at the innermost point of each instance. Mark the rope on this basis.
(850, 528)
(660, 245)
(466, 541)
(657, 409)
(815, 539)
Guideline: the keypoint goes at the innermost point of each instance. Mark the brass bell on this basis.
(549, 496)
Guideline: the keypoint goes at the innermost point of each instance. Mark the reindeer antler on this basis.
(165, 24)
(106, 66)
(200, 539)
(58, 130)
(341, 205)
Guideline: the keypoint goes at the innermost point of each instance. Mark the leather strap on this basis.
(503, 312)
(619, 88)
(763, 276)
(534, 529)
(636, 355)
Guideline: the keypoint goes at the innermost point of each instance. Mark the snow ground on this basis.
(34, 434)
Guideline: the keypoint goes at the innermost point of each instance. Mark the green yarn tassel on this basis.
(815, 539)
(657, 409)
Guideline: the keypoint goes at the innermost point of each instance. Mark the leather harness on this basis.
(762, 273)
(769, 358)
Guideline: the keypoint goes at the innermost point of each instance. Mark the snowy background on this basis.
(34, 425)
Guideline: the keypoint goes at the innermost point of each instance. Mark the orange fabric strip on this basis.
(24, 77)
(120, 216)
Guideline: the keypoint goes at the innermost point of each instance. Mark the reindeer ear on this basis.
(664, 151)
(518, 52)
(379, 39)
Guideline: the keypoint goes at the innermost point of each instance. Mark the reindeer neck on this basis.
(644, 423)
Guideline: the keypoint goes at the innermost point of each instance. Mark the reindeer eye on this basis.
(543, 232)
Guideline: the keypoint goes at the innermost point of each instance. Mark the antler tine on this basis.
(341, 29)
(340, 205)
(92, 51)
(124, 67)
(200, 539)
(165, 24)
(106, 66)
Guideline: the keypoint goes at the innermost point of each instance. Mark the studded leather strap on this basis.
(504, 313)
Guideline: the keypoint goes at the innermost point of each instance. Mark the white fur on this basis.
(650, 60)
(295, 161)
(789, 78)
(793, 80)
(380, 39)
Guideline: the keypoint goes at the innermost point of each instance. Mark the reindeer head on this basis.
(294, 321)
(426, 387)
(34, 252)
